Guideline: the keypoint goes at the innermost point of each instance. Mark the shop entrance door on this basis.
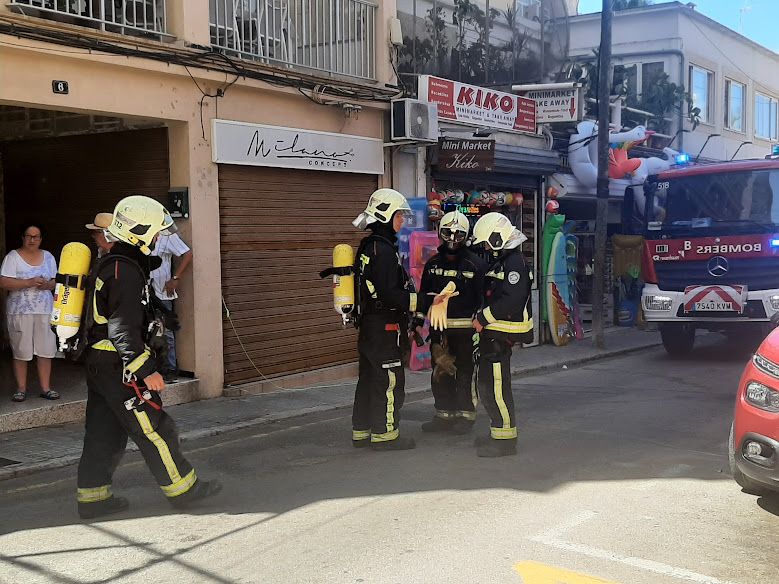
(61, 183)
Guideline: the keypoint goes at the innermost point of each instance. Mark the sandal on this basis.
(19, 396)
(50, 394)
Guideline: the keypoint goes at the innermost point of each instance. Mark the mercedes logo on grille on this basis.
(718, 266)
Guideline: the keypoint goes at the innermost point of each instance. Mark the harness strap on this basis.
(71, 280)
(139, 395)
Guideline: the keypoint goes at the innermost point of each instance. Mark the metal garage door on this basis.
(278, 229)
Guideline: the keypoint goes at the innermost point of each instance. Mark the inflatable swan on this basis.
(583, 155)
(583, 158)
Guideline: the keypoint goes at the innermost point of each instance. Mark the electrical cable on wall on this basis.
(208, 59)
(219, 93)
(257, 369)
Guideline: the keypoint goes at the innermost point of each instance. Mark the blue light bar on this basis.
(775, 150)
(682, 159)
(774, 242)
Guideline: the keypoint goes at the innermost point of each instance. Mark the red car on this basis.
(754, 436)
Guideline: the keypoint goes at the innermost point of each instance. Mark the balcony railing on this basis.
(123, 16)
(332, 36)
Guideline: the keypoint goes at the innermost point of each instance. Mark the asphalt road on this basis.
(621, 478)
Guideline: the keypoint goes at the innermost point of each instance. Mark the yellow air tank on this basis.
(70, 291)
(343, 282)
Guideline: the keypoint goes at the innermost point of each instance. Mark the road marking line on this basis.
(568, 525)
(552, 539)
(537, 573)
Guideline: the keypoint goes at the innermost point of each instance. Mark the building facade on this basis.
(261, 122)
(733, 80)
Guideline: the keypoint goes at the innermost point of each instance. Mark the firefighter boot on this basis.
(399, 443)
(200, 491)
(439, 424)
(462, 426)
(487, 447)
(100, 508)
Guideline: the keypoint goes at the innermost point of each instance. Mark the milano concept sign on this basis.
(478, 106)
(261, 145)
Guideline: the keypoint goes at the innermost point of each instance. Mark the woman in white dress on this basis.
(28, 274)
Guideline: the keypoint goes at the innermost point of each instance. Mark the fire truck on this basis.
(711, 249)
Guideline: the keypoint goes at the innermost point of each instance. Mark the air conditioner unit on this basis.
(414, 120)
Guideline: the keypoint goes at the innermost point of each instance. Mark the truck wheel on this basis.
(678, 339)
(743, 481)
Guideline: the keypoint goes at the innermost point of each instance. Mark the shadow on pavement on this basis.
(770, 503)
(649, 418)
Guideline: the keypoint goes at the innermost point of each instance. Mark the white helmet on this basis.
(497, 232)
(382, 205)
(453, 229)
(138, 219)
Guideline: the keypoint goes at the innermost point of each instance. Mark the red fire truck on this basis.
(711, 251)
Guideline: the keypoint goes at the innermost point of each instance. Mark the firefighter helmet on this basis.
(453, 229)
(138, 219)
(382, 206)
(495, 230)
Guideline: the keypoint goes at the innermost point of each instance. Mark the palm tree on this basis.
(519, 37)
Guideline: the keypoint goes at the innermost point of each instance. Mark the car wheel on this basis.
(747, 484)
(678, 339)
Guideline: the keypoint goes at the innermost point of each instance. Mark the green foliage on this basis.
(431, 56)
(659, 95)
(627, 4)
(464, 60)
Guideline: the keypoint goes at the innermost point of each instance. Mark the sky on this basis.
(759, 18)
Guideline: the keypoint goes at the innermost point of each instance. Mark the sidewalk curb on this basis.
(35, 467)
(63, 461)
(568, 364)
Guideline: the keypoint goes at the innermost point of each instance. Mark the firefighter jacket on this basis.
(463, 267)
(384, 286)
(119, 316)
(506, 301)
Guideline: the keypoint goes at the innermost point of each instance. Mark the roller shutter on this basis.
(278, 228)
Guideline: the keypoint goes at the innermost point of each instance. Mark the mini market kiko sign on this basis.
(259, 145)
(478, 106)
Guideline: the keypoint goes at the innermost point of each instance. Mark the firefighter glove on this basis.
(444, 362)
(440, 306)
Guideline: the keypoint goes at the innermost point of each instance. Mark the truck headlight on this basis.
(654, 302)
(763, 397)
(774, 300)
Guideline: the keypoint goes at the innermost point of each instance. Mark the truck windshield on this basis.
(736, 201)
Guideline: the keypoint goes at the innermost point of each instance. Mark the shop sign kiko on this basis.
(260, 145)
(478, 106)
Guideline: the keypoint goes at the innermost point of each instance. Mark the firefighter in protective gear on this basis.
(504, 319)
(122, 380)
(385, 301)
(452, 348)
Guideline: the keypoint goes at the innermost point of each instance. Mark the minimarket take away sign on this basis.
(557, 105)
(478, 106)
